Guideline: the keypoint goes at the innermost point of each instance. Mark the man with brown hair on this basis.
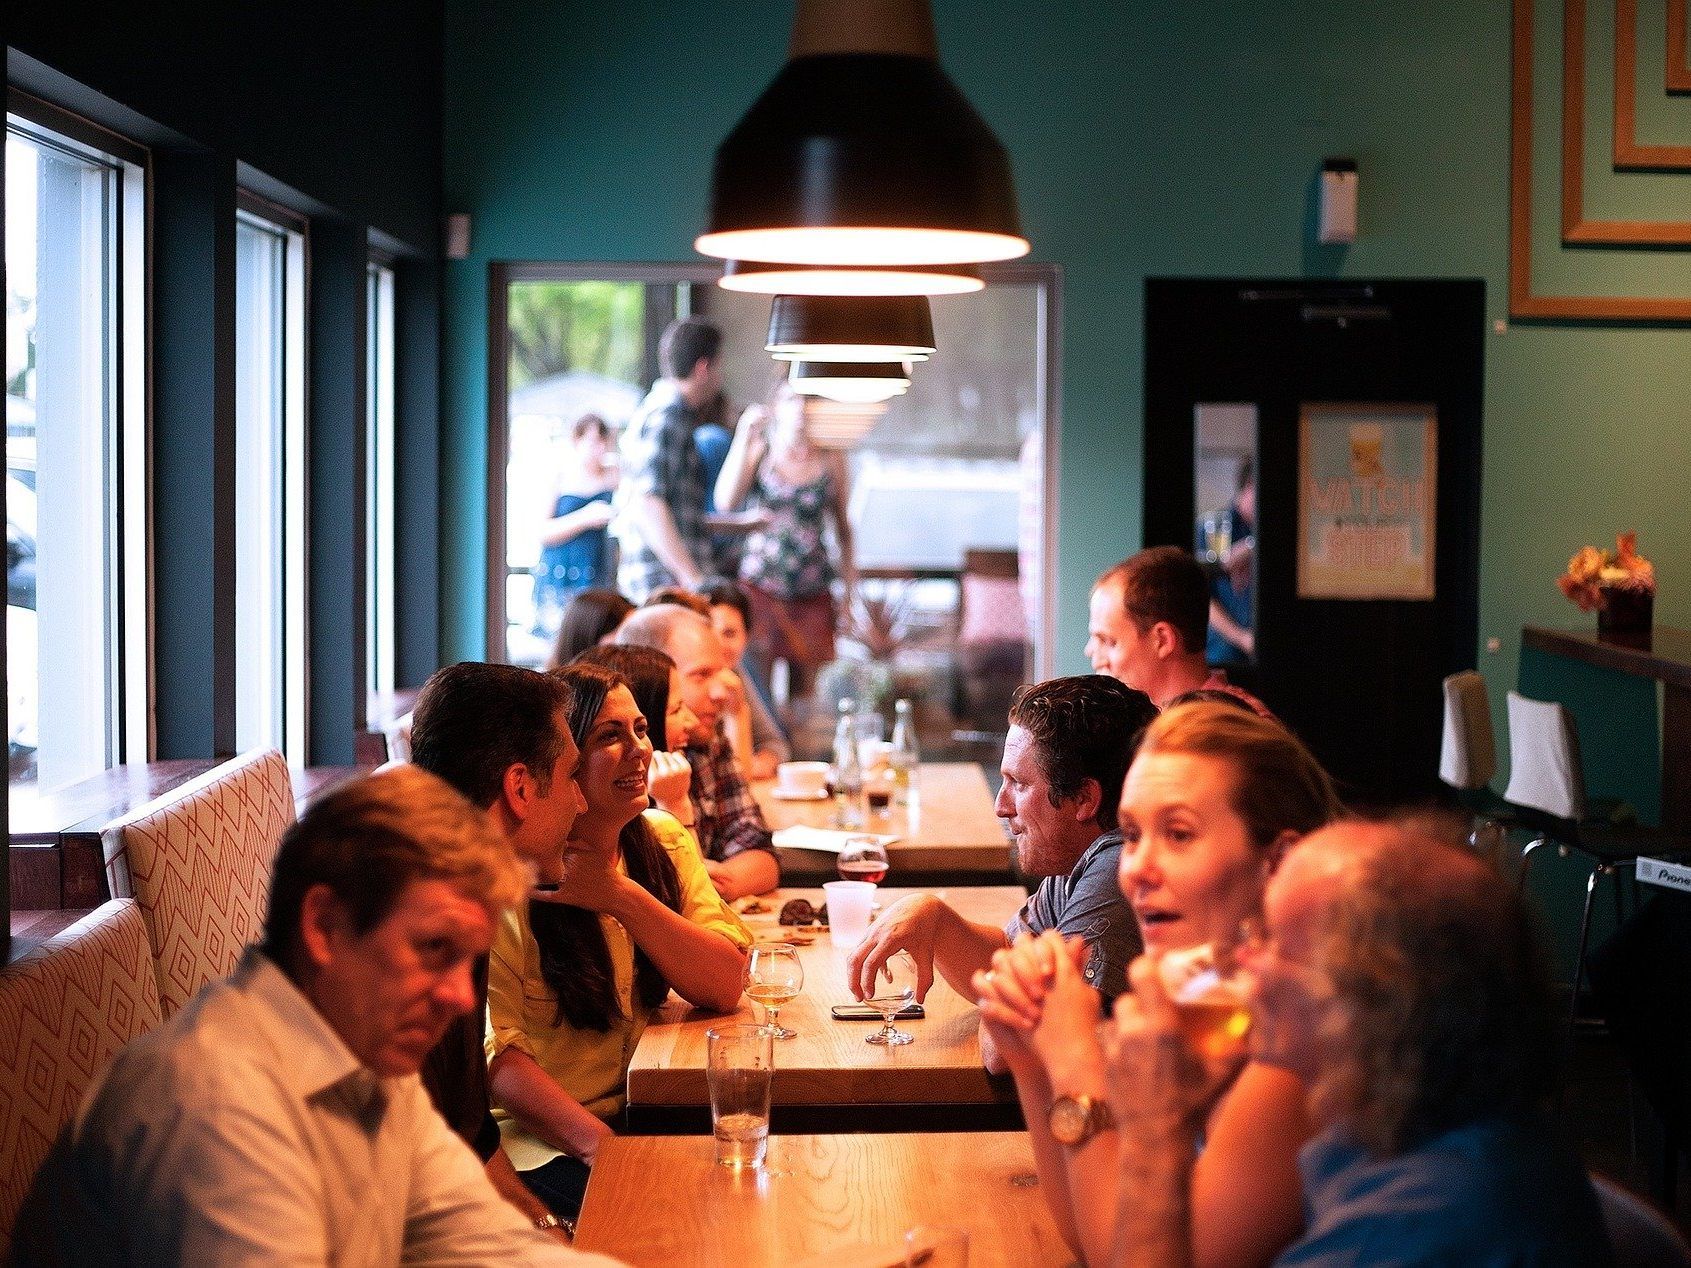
(1397, 976)
(1147, 625)
(1070, 743)
(279, 1117)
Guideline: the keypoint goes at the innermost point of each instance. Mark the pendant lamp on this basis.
(850, 328)
(862, 152)
(841, 424)
(850, 382)
(759, 277)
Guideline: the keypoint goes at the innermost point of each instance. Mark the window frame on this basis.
(127, 425)
(381, 449)
(295, 457)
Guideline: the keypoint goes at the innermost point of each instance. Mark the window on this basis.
(270, 595)
(378, 474)
(76, 548)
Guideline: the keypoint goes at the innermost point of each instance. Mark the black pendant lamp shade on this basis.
(850, 328)
(761, 278)
(853, 382)
(863, 152)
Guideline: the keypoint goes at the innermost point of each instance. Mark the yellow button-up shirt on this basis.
(590, 1065)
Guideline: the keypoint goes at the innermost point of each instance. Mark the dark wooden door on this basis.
(1358, 680)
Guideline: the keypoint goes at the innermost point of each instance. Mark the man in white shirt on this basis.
(279, 1116)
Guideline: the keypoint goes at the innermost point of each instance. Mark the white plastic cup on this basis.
(849, 904)
(739, 1070)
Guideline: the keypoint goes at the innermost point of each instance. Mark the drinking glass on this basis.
(739, 1071)
(895, 987)
(1209, 994)
(863, 859)
(774, 976)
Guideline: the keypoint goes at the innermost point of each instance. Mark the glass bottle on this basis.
(904, 757)
(848, 770)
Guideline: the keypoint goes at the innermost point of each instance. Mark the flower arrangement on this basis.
(1596, 578)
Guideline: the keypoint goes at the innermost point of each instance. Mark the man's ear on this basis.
(1087, 799)
(516, 791)
(1164, 641)
(1277, 852)
(322, 917)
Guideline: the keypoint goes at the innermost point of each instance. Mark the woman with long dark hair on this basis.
(656, 684)
(574, 977)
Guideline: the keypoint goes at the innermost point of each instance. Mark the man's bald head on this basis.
(690, 641)
(1440, 1005)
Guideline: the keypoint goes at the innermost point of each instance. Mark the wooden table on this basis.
(1664, 657)
(828, 1075)
(662, 1200)
(951, 837)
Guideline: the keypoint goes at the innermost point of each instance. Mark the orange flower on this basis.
(1592, 572)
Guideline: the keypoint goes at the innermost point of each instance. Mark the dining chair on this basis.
(1547, 792)
(1468, 762)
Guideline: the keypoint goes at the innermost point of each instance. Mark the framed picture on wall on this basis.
(1367, 483)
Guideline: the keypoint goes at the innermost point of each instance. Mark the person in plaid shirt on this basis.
(739, 854)
(666, 533)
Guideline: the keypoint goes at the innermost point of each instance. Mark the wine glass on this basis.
(895, 987)
(774, 976)
(863, 859)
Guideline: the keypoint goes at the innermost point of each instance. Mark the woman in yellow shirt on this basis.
(574, 977)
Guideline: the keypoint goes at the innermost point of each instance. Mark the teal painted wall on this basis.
(1178, 139)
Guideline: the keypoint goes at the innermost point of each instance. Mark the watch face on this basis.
(1068, 1120)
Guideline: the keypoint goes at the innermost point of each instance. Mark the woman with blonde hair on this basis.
(1214, 798)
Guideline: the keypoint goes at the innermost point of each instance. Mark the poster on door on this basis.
(1367, 479)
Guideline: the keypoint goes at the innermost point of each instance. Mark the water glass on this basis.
(740, 1070)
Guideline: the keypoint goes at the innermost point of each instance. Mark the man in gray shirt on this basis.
(279, 1116)
(1070, 743)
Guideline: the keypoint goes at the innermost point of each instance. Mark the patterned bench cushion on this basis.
(197, 862)
(66, 1008)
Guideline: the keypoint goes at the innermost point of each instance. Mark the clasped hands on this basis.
(1041, 1012)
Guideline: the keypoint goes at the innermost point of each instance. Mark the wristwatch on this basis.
(1075, 1120)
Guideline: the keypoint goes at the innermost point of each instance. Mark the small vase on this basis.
(1626, 616)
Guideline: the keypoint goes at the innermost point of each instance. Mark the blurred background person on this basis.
(590, 618)
(785, 568)
(576, 550)
(1226, 546)
(765, 744)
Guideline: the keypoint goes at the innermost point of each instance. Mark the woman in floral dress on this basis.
(786, 569)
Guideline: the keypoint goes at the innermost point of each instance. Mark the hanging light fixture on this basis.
(759, 277)
(862, 152)
(850, 382)
(841, 424)
(850, 328)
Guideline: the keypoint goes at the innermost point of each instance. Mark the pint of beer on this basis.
(1210, 1001)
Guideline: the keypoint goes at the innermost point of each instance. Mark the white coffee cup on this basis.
(801, 779)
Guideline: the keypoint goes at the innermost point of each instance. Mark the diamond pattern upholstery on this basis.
(197, 862)
(66, 1008)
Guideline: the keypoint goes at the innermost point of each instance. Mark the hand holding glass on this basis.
(895, 988)
(774, 976)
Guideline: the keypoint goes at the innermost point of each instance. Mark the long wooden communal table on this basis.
(828, 1078)
(662, 1200)
(952, 837)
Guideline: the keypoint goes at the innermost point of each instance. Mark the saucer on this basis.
(788, 794)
